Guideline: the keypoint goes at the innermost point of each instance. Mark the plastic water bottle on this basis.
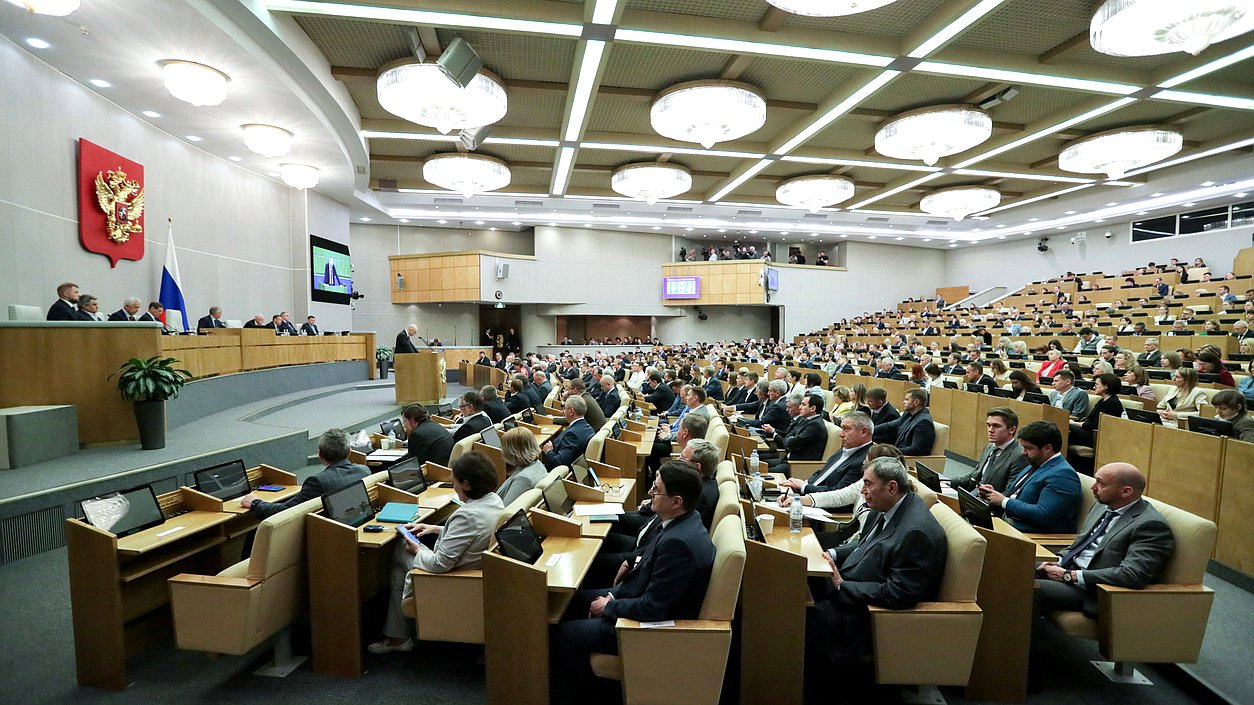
(392, 439)
(796, 515)
(755, 486)
(754, 463)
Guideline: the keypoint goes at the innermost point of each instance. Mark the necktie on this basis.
(866, 543)
(992, 458)
(1021, 481)
(1089, 540)
(130, 318)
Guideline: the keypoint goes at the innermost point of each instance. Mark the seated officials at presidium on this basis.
(333, 447)
(460, 544)
(213, 320)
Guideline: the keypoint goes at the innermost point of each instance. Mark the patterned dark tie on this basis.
(866, 542)
(1068, 558)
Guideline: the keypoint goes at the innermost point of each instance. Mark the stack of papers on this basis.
(387, 455)
(604, 509)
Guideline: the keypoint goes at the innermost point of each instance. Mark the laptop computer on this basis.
(350, 505)
(510, 423)
(929, 477)
(1035, 398)
(1213, 427)
(407, 475)
(490, 437)
(124, 513)
(585, 476)
(975, 510)
(949, 384)
(1084, 384)
(1004, 393)
(394, 426)
(1143, 416)
(517, 539)
(972, 387)
(224, 481)
(752, 528)
(556, 500)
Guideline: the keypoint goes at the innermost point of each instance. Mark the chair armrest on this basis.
(1162, 623)
(1052, 539)
(654, 659)
(901, 636)
(214, 581)
(680, 625)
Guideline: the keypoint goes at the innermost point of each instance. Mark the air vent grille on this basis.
(937, 222)
(876, 219)
(606, 206)
(815, 216)
(748, 212)
(529, 204)
(448, 201)
(678, 209)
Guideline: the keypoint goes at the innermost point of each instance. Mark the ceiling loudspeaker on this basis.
(460, 62)
(1042, 245)
(701, 315)
(1080, 238)
(502, 270)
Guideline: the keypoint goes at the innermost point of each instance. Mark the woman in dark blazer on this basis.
(1106, 386)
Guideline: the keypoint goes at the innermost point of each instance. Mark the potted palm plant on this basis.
(383, 356)
(148, 384)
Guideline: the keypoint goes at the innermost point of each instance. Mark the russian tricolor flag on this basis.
(171, 296)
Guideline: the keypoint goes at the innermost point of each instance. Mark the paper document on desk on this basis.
(589, 510)
(387, 455)
(811, 513)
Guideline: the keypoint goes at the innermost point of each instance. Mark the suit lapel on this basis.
(1123, 522)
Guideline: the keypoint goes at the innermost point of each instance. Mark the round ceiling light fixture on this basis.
(194, 83)
(960, 201)
(708, 112)
(53, 8)
(1116, 152)
(267, 140)
(651, 181)
(300, 176)
(1150, 27)
(927, 134)
(814, 192)
(828, 8)
(424, 94)
(467, 174)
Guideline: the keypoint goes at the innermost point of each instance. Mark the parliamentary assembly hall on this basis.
(639, 352)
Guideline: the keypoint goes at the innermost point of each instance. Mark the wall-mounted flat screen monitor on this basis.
(681, 287)
(772, 279)
(332, 271)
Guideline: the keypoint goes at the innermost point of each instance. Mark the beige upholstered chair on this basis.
(554, 475)
(936, 458)
(907, 643)
(249, 602)
(728, 503)
(596, 446)
(464, 446)
(693, 653)
(449, 606)
(718, 434)
(726, 472)
(1163, 622)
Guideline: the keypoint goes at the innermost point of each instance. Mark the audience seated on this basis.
(1045, 496)
(333, 447)
(1002, 458)
(427, 441)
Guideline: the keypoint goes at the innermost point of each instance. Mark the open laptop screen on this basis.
(928, 476)
(556, 500)
(518, 540)
(491, 437)
(974, 509)
(394, 426)
(124, 513)
(350, 505)
(407, 475)
(225, 481)
(1214, 427)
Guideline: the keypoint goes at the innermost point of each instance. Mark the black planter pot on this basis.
(383, 369)
(150, 417)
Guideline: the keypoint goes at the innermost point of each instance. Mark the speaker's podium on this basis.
(418, 378)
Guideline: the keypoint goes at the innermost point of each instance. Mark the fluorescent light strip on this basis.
(658, 149)
(603, 13)
(859, 162)
(736, 182)
(906, 214)
(1034, 199)
(1046, 131)
(1191, 157)
(424, 17)
(561, 175)
(420, 136)
(526, 141)
(446, 192)
(738, 46)
(892, 191)
(584, 197)
(841, 108)
(951, 30)
(1225, 101)
(1038, 79)
(592, 53)
(1209, 67)
(1020, 175)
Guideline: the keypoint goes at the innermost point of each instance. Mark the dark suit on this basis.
(403, 344)
(472, 425)
(62, 310)
(774, 413)
(1131, 554)
(885, 414)
(569, 444)
(543, 391)
(912, 434)
(1150, 359)
(735, 396)
(496, 410)
(896, 567)
(429, 441)
(1048, 499)
(254, 324)
(998, 473)
(985, 381)
(484, 361)
(609, 402)
(714, 389)
(834, 475)
(122, 315)
(806, 439)
(209, 322)
(287, 328)
(845, 369)
(333, 477)
(309, 329)
(517, 402)
(889, 374)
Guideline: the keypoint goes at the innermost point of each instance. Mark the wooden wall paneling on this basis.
(1236, 507)
(1187, 468)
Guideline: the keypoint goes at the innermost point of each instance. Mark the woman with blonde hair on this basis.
(844, 401)
(1000, 371)
(1171, 360)
(1137, 378)
(522, 463)
(1184, 398)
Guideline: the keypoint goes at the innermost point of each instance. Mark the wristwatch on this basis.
(1068, 576)
(253, 504)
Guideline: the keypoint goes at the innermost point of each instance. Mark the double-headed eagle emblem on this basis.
(122, 201)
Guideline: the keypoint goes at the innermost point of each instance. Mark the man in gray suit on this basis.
(1002, 458)
(1067, 396)
(333, 448)
(1125, 543)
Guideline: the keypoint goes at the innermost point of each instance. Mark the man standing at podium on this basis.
(403, 342)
